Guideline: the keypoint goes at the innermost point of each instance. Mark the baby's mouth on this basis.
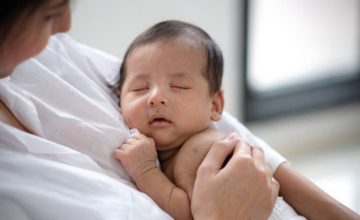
(159, 121)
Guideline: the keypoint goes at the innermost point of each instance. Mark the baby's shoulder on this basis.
(209, 135)
(201, 142)
(193, 152)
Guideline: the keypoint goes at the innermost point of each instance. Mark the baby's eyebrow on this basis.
(140, 77)
(182, 75)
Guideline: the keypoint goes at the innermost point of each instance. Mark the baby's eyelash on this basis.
(140, 89)
(180, 87)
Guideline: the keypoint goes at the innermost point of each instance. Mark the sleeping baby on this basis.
(170, 91)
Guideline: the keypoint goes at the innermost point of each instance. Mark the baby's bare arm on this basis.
(138, 156)
(190, 156)
(167, 195)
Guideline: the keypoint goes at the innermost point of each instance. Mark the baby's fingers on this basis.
(119, 153)
(125, 146)
(138, 136)
(131, 140)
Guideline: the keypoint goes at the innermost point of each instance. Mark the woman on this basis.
(25, 27)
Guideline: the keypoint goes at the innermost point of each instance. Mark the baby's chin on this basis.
(165, 144)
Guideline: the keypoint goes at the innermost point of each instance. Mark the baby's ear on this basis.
(217, 105)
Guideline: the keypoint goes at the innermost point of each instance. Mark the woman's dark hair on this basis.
(172, 30)
(13, 10)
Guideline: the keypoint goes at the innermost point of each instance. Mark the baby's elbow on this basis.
(181, 209)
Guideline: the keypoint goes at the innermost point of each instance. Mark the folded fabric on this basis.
(42, 180)
(61, 96)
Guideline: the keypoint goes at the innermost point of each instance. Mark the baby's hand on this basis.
(138, 155)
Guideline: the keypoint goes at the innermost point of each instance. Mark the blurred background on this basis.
(292, 71)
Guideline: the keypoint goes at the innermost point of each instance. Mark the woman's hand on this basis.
(138, 155)
(242, 189)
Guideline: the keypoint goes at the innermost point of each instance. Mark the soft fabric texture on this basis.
(63, 97)
(42, 180)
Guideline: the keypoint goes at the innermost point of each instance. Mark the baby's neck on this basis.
(168, 155)
(167, 159)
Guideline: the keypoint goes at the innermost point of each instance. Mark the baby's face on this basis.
(165, 94)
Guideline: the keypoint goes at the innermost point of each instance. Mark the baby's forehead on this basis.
(184, 40)
(188, 48)
(172, 75)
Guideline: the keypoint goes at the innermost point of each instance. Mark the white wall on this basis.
(111, 25)
(322, 130)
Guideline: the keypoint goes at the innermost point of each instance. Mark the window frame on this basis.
(293, 99)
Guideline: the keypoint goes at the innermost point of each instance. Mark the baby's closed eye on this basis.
(179, 86)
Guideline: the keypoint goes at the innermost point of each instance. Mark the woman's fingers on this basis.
(218, 153)
(258, 154)
(242, 189)
(260, 163)
(259, 159)
(243, 148)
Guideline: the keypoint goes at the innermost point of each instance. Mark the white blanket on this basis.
(67, 170)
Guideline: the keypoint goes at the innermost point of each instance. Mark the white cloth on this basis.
(283, 211)
(63, 97)
(43, 180)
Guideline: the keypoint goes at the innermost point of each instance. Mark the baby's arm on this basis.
(138, 156)
(306, 198)
(190, 156)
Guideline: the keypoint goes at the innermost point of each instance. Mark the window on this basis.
(300, 55)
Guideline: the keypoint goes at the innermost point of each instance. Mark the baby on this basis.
(170, 91)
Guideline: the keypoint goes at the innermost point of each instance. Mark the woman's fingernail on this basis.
(230, 137)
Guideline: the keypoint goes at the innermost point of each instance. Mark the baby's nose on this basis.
(157, 97)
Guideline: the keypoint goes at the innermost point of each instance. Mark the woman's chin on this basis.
(6, 72)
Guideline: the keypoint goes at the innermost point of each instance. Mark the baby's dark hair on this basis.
(173, 30)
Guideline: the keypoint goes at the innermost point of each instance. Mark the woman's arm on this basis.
(138, 156)
(308, 199)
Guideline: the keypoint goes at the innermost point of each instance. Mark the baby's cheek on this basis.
(132, 119)
(128, 122)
